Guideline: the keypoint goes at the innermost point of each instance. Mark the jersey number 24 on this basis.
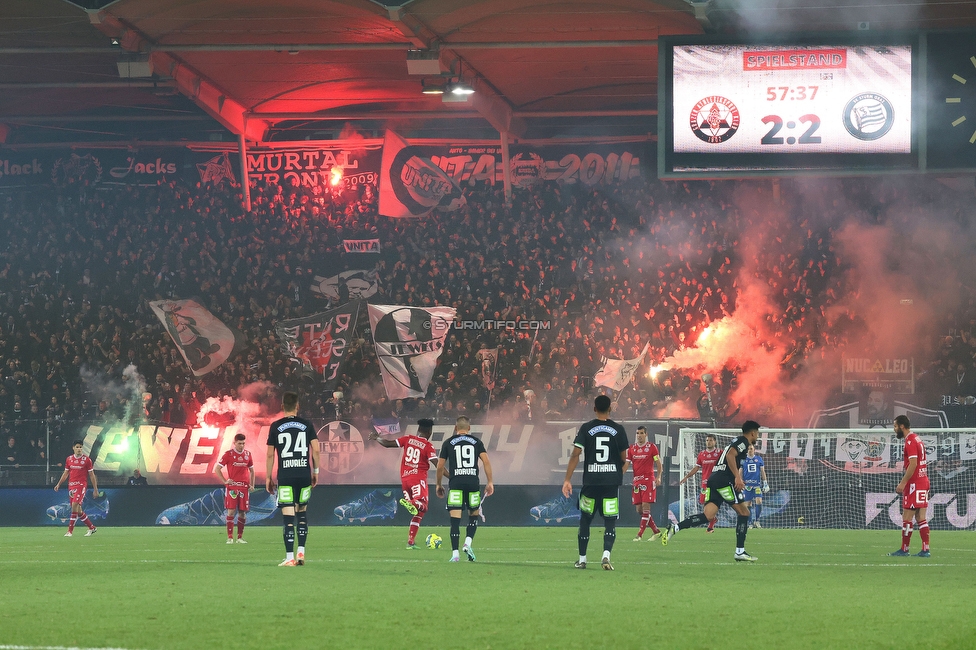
(287, 450)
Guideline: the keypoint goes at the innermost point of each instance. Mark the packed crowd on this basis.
(611, 268)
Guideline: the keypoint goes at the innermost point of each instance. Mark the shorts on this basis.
(914, 497)
(752, 492)
(458, 498)
(237, 498)
(417, 492)
(76, 493)
(600, 498)
(720, 494)
(297, 491)
(644, 493)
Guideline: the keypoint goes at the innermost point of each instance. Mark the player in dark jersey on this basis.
(603, 444)
(726, 485)
(459, 460)
(294, 441)
(705, 462)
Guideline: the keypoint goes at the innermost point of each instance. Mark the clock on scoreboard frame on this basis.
(789, 105)
(950, 85)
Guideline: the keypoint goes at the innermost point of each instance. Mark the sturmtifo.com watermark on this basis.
(503, 324)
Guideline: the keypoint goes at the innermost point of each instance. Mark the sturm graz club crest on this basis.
(868, 116)
(714, 119)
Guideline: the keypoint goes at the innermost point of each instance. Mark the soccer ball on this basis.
(434, 541)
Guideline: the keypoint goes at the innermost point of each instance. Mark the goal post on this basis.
(842, 478)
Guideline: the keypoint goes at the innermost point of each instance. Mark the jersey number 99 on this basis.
(412, 455)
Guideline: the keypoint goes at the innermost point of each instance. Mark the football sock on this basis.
(583, 559)
(583, 537)
(455, 533)
(711, 524)
(302, 528)
(741, 528)
(650, 522)
(289, 534)
(85, 520)
(471, 530)
(72, 522)
(609, 535)
(923, 532)
(643, 525)
(414, 527)
(693, 521)
(606, 555)
(758, 511)
(241, 520)
(906, 535)
(230, 526)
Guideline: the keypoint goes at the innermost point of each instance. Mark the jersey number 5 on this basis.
(602, 449)
(287, 450)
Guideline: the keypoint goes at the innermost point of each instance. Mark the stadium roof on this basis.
(287, 69)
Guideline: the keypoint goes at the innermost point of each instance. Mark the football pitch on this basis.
(361, 588)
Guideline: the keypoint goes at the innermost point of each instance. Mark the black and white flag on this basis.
(408, 341)
(489, 362)
(202, 338)
(617, 373)
(358, 283)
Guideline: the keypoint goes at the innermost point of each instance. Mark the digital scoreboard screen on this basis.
(786, 107)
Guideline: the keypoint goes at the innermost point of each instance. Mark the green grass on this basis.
(185, 588)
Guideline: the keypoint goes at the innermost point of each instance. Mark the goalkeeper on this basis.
(754, 476)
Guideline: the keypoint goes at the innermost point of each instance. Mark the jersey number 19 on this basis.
(464, 456)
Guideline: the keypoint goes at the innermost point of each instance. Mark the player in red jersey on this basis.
(706, 463)
(418, 454)
(914, 488)
(77, 468)
(646, 460)
(239, 485)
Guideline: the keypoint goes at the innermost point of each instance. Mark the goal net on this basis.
(841, 478)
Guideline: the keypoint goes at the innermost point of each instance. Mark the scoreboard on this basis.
(809, 105)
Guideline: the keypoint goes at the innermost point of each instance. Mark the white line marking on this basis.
(917, 563)
(50, 647)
